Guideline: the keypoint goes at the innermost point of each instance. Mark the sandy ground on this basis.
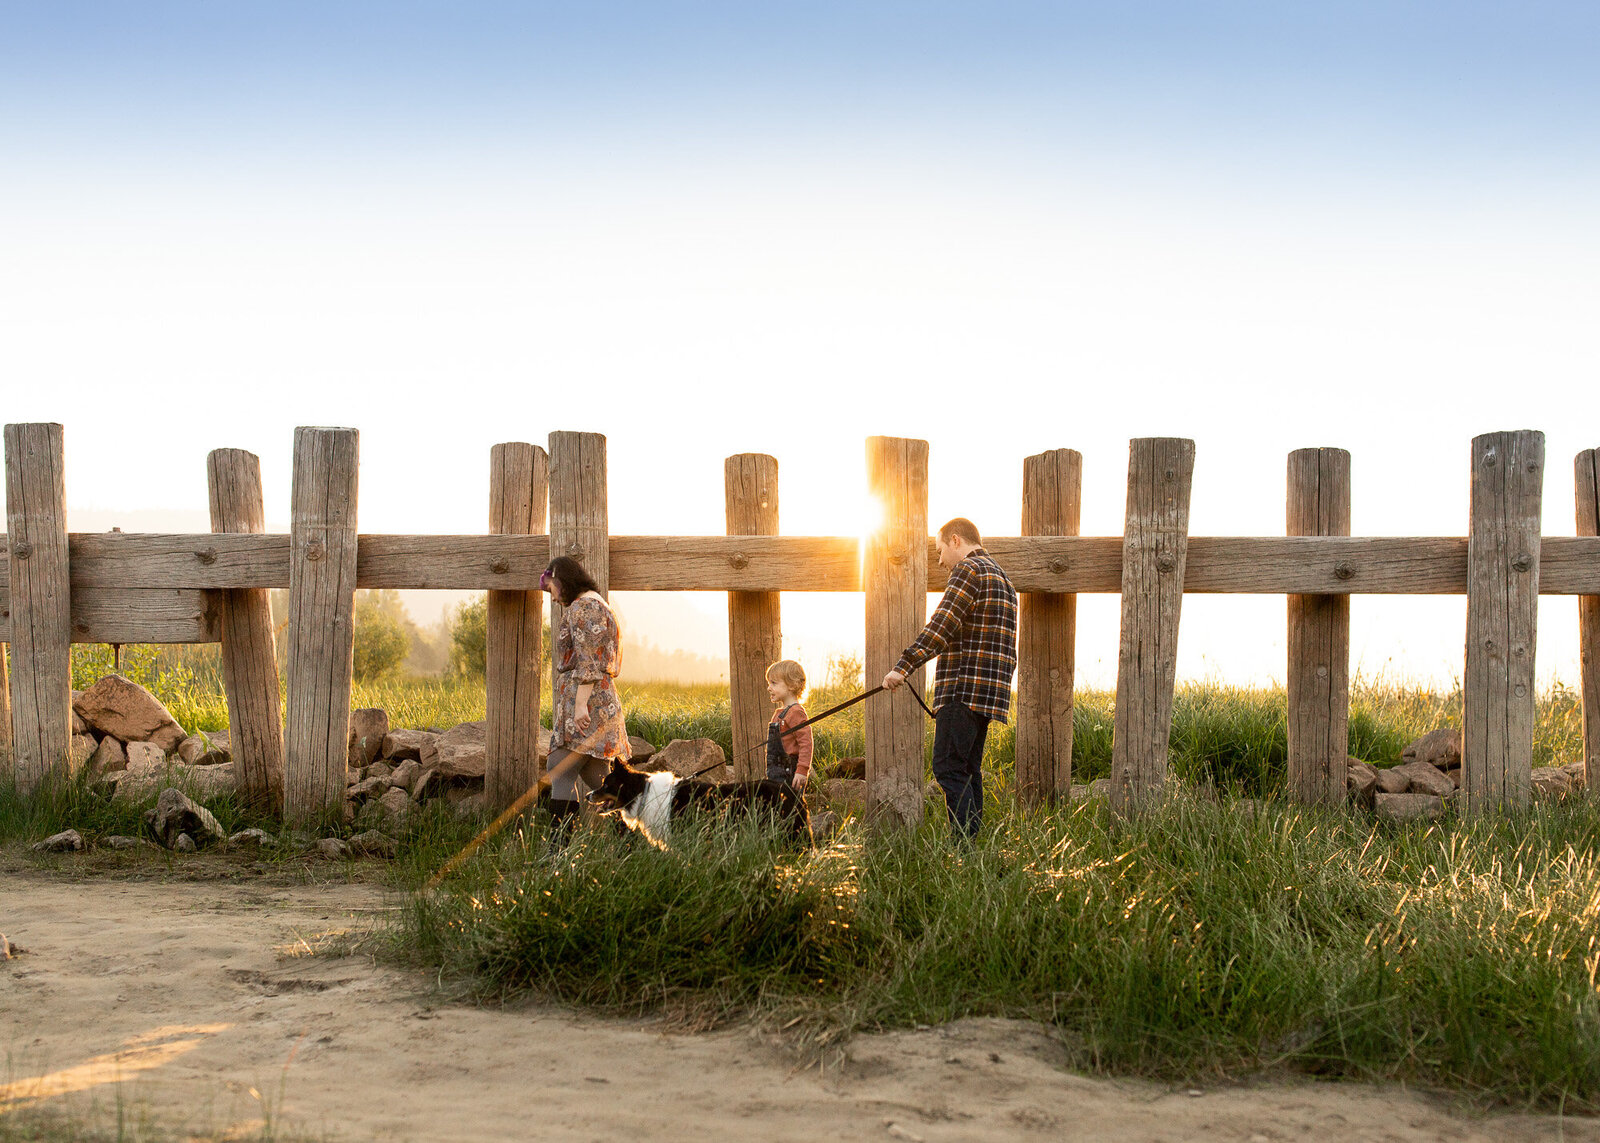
(197, 1004)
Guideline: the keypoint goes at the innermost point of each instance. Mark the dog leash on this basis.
(832, 710)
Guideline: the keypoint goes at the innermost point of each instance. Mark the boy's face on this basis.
(777, 691)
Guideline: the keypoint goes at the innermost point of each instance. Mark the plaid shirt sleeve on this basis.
(944, 626)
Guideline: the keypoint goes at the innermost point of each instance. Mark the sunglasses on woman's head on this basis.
(544, 580)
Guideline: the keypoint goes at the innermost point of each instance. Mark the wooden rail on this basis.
(57, 588)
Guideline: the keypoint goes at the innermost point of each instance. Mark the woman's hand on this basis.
(580, 711)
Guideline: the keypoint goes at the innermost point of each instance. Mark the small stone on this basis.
(1100, 788)
(145, 758)
(1409, 807)
(1425, 778)
(109, 757)
(824, 824)
(461, 751)
(852, 767)
(378, 770)
(372, 843)
(368, 787)
(220, 740)
(1440, 748)
(1551, 782)
(184, 843)
(406, 774)
(640, 748)
(122, 841)
(932, 791)
(1079, 792)
(848, 793)
(402, 744)
(192, 747)
(332, 848)
(67, 841)
(369, 727)
(256, 837)
(80, 750)
(396, 802)
(1393, 781)
(426, 786)
(1362, 783)
(213, 758)
(177, 815)
(469, 807)
(690, 757)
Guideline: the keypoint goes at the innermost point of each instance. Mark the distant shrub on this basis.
(382, 639)
(469, 633)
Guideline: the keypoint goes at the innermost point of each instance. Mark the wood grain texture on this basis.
(1318, 504)
(322, 583)
(1502, 607)
(40, 602)
(1259, 565)
(519, 477)
(1052, 485)
(1586, 481)
(1154, 550)
(249, 656)
(145, 615)
(579, 516)
(896, 575)
(6, 759)
(755, 618)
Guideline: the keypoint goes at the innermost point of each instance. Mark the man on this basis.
(974, 633)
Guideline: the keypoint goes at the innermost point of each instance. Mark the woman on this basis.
(587, 729)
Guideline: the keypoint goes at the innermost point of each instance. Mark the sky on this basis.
(704, 229)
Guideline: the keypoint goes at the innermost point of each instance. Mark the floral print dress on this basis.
(588, 650)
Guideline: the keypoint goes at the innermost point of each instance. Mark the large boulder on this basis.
(1440, 748)
(119, 706)
(1426, 779)
(687, 757)
(176, 814)
(460, 751)
(399, 745)
(369, 727)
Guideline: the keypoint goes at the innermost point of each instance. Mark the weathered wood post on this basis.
(579, 521)
(1052, 483)
(1155, 544)
(322, 584)
(1587, 481)
(895, 578)
(519, 477)
(5, 714)
(41, 612)
(249, 661)
(1319, 636)
(1502, 609)
(755, 620)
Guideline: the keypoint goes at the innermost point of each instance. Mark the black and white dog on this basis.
(651, 803)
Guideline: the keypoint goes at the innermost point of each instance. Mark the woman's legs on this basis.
(566, 769)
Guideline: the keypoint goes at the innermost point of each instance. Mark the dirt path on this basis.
(193, 994)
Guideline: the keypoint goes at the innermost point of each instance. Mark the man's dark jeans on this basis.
(958, 735)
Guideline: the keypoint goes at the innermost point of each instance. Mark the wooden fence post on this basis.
(895, 579)
(519, 477)
(579, 522)
(249, 660)
(1587, 473)
(322, 582)
(41, 612)
(6, 757)
(1502, 609)
(1051, 490)
(1319, 636)
(1155, 546)
(755, 618)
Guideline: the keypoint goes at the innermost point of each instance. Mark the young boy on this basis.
(788, 751)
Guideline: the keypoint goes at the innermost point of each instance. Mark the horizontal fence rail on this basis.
(208, 587)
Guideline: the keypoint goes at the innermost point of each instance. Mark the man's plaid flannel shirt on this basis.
(973, 631)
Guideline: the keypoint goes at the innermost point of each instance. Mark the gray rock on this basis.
(470, 806)
(461, 751)
(1393, 781)
(122, 841)
(1440, 748)
(332, 848)
(67, 841)
(1100, 788)
(369, 727)
(824, 824)
(78, 725)
(850, 793)
(395, 802)
(220, 740)
(144, 757)
(399, 745)
(426, 785)
(372, 843)
(641, 749)
(1079, 792)
(1409, 807)
(406, 774)
(686, 757)
(1425, 778)
(369, 787)
(1362, 783)
(184, 843)
(204, 781)
(80, 749)
(121, 707)
(175, 814)
(214, 758)
(256, 837)
(109, 757)
(192, 747)
(378, 770)
(1551, 782)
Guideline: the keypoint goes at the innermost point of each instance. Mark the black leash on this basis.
(832, 710)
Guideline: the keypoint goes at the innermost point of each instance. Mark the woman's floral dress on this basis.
(587, 651)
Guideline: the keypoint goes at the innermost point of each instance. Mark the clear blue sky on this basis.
(714, 228)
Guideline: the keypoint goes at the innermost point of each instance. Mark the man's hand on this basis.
(893, 681)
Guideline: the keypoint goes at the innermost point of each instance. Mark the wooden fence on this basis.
(56, 589)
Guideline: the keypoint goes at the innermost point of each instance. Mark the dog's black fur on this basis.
(624, 786)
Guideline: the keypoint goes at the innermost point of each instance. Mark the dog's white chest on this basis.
(651, 811)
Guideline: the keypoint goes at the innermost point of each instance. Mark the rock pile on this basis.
(128, 740)
(1429, 775)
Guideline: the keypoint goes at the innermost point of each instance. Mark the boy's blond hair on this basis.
(790, 673)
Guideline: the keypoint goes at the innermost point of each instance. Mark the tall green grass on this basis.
(1202, 938)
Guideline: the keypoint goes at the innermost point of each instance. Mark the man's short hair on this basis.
(960, 528)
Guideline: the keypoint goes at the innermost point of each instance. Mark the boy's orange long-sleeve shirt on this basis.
(796, 741)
